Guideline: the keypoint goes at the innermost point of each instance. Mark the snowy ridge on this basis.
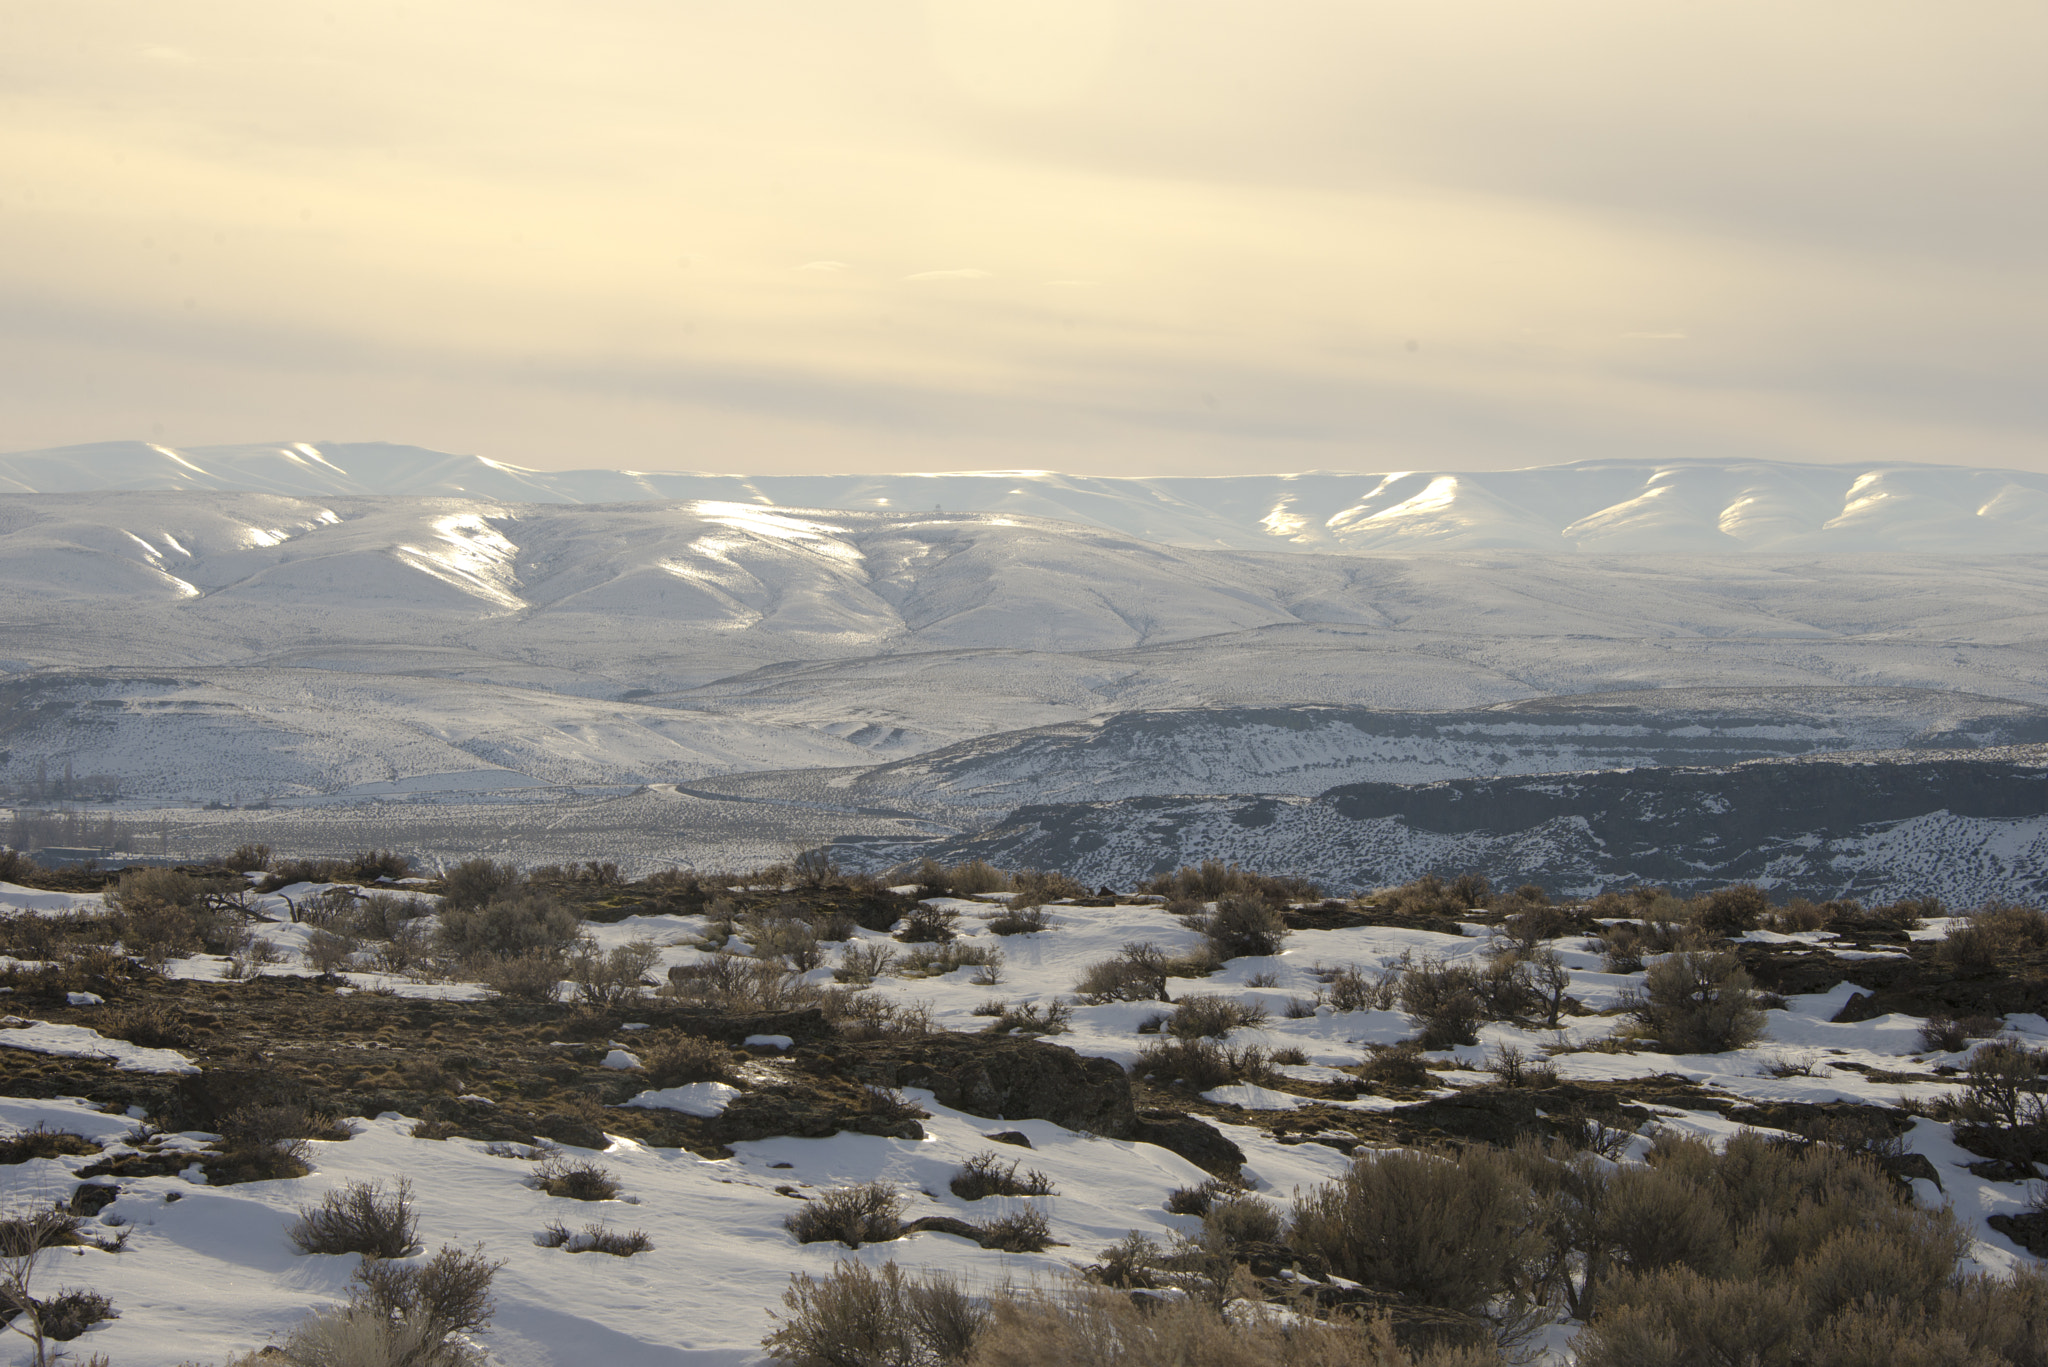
(1616, 506)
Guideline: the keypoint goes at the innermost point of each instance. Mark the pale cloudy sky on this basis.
(1155, 236)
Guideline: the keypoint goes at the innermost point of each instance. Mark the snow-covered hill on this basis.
(1960, 826)
(1303, 751)
(212, 644)
(1616, 506)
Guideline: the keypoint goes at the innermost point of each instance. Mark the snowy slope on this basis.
(742, 638)
(227, 734)
(1304, 750)
(1965, 827)
(1673, 506)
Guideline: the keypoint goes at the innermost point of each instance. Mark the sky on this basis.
(1111, 237)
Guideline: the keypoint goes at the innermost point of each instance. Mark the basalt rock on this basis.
(1195, 1140)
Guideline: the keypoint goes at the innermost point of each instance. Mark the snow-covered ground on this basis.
(209, 1271)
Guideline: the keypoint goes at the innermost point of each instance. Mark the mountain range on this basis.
(214, 626)
(1603, 505)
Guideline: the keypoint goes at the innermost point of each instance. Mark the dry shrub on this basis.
(961, 880)
(1020, 918)
(1132, 1263)
(1245, 926)
(408, 949)
(1697, 1003)
(164, 914)
(882, 1317)
(875, 1317)
(1085, 1328)
(153, 1025)
(31, 935)
(1021, 1231)
(262, 1142)
(1515, 1068)
(448, 1294)
(2002, 1111)
(740, 985)
(1799, 916)
(329, 953)
(398, 1316)
(862, 963)
(368, 866)
(937, 960)
(1030, 1019)
(1951, 1034)
(1397, 1065)
(595, 1238)
(986, 1174)
(382, 915)
(1454, 1232)
(360, 1217)
(869, 1015)
(1849, 917)
(786, 932)
(284, 874)
(1992, 936)
(888, 1104)
(1136, 974)
(1241, 1220)
(1679, 1317)
(520, 923)
(1529, 924)
(870, 1213)
(975, 876)
(613, 977)
(43, 1142)
(1623, 947)
(926, 924)
(1211, 1017)
(532, 977)
(674, 1059)
(1808, 1232)
(1197, 1199)
(1212, 880)
(1036, 887)
(475, 882)
(1446, 1002)
(1832, 1306)
(1507, 988)
(1202, 1063)
(1733, 910)
(248, 859)
(1430, 896)
(575, 1179)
